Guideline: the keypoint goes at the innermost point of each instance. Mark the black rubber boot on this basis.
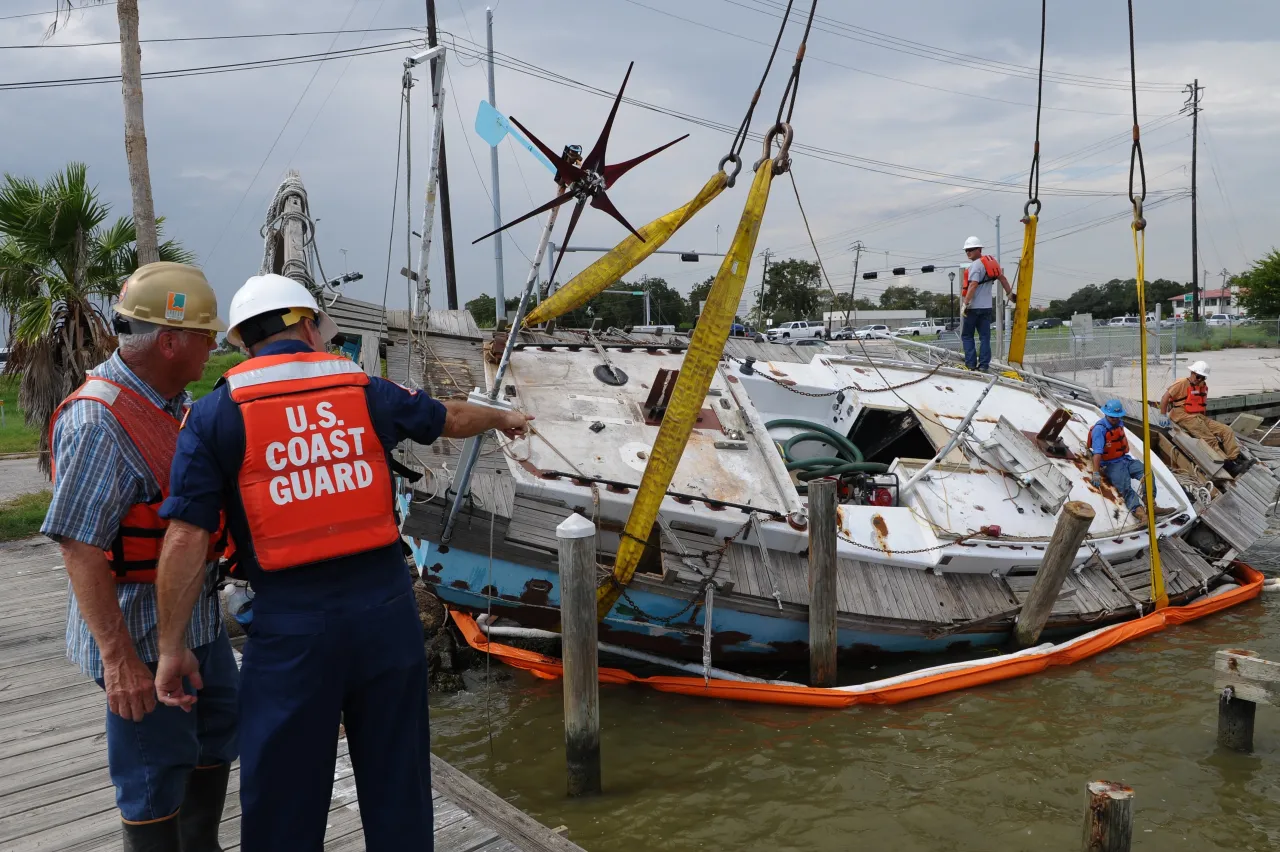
(201, 812)
(158, 836)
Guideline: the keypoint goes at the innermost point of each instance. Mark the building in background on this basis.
(1211, 302)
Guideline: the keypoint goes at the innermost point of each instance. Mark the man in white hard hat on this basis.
(295, 445)
(976, 305)
(1186, 403)
(114, 440)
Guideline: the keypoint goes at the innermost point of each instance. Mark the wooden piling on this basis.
(1068, 535)
(575, 537)
(1243, 680)
(1108, 817)
(822, 582)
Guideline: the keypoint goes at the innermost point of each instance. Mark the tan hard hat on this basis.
(172, 294)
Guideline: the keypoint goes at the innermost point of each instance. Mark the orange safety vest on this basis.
(135, 552)
(314, 479)
(1197, 398)
(1115, 444)
(992, 269)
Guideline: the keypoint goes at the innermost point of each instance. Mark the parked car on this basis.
(843, 333)
(741, 330)
(1172, 322)
(806, 341)
(866, 331)
(1222, 320)
(919, 327)
(797, 328)
(1124, 322)
(1047, 322)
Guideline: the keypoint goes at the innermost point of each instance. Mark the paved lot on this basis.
(20, 476)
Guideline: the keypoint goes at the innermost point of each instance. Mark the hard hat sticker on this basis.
(176, 307)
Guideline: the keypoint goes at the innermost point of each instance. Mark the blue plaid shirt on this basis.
(100, 474)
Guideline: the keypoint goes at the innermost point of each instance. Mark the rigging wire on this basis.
(395, 192)
(793, 82)
(740, 138)
(279, 136)
(1033, 178)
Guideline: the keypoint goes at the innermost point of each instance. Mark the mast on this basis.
(446, 213)
(500, 300)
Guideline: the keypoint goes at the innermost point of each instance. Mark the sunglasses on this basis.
(208, 335)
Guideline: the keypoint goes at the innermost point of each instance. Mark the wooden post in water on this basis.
(576, 537)
(822, 582)
(1108, 818)
(1068, 535)
(1243, 680)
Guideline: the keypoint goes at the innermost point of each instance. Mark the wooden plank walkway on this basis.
(55, 793)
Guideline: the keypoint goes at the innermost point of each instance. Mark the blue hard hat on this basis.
(1113, 408)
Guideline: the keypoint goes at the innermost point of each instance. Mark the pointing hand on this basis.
(515, 424)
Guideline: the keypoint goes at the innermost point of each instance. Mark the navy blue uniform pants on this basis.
(979, 320)
(303, 673)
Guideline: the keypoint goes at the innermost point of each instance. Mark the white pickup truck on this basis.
(797, 329)
(921, 327)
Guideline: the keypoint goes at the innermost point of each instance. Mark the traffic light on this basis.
(927, 268)
(899, 270)
(870, 276)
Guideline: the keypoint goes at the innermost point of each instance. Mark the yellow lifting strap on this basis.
(700, 362)
(625, 257)
(1158, 593)
(1022, 288)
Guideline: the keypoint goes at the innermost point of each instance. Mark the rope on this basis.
(272, 231)
(391, 237)
(740, 138)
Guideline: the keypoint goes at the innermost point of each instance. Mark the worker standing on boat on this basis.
(1186, 403)
(298, 441)
(1109, 445)
(976, 304)
(112, 444)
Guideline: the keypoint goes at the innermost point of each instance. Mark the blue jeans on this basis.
(304, 672)
(1121, 473)
(980, 319)
(149, 760)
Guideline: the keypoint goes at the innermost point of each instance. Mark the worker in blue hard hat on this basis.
(1109, 444)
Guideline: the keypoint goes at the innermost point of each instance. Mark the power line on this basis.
(238, 37)
(279, 135)
(876, 38)
(855, 69)
(47, 14)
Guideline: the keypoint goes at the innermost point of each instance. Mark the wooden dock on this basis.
(54, 790)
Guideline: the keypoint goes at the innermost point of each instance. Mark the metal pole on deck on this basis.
(500, 301)
(446, 212)
(575, 540)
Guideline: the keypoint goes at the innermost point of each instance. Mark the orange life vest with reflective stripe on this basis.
(314, 480)
(135, 552)
(1197, 399)
(1115, 444)
(991, 267)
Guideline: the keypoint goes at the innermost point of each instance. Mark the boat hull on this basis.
(664, 621)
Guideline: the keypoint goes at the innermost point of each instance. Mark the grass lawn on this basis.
(15, 436)
(21, 517)
(218, 364)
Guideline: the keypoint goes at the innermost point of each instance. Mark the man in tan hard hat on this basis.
(1186, 403)
(113, 440)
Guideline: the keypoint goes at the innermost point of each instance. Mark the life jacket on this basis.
(1115, 444)
(314, 480)
(135, 552)
(1197, 398)
(989, 265)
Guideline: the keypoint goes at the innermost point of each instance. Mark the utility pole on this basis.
(500, 294)
(857, 258)
(1226, 291)
(1193, 90)
(644, 284)
(446, 212)
(764, 280)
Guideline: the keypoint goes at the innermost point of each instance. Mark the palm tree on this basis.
(135, 132)
(57, 255)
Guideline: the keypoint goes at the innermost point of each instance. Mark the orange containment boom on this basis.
(936, 680)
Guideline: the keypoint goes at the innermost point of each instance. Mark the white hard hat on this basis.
(1200, 368)
(972, 243)
(265, 293)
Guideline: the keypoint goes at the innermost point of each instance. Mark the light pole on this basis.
(997, 293)
(951, 300)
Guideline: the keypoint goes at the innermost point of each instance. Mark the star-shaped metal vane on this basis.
(588, 181)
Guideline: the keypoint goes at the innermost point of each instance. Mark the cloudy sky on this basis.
(906, 111)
